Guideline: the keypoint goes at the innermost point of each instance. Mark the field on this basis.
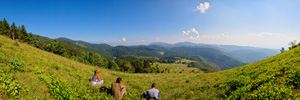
(29, 73)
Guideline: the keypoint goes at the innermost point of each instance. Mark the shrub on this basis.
(39, 71)
(9, 84)
(16, 64)
(56, 65)
(59, 88)
(10, 47)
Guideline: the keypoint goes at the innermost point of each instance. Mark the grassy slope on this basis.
(34, 58)
(274, 77)
(177, 68)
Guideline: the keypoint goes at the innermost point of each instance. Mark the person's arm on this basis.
(123, 86)
(98, 77)
(148, 95)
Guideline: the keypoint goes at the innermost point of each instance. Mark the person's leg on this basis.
(123, 92)
(100, 83)
(94, 83)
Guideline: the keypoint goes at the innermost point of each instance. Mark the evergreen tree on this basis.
(5, 27)
(24, 33)
(18, 32)
(13, 29)
(1, 27)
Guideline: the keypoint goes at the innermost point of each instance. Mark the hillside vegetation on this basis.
(30, 73)
(212, 58)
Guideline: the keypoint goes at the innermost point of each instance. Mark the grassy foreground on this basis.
(29, 73)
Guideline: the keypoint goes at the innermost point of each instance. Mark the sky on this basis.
(258, 23)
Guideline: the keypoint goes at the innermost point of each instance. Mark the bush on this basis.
(59, 88)
(10, 47)
(1, 45)
(39, 71)
(16, 64)
(9, 84)
(56, 65)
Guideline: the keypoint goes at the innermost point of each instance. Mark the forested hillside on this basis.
(212, 58)
(219, 57)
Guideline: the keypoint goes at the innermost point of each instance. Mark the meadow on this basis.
(30, 73)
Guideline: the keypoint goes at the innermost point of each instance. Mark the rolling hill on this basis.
(213, 58)
(30, 73)
(241, 53)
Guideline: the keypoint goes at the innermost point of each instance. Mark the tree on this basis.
(1, 27)
(125, 65)
(32, 40)
(18, 33)
(13, 29)
(40, 43)
(5, 28)
(293, 44)
(282, 50)
(60, 48)
(113, 65)
(24, 34)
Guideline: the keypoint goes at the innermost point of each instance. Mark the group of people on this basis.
(119, 90)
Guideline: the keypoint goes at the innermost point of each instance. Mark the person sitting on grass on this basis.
(118, 90)
(152, 93)
(96, 80)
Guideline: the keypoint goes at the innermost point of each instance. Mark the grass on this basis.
(176, 68)
(273, 78)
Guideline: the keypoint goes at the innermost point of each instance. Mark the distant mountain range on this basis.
(218, 57)
(245, 54)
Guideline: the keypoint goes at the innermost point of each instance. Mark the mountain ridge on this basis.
(157, 51)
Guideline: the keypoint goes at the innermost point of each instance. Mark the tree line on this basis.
(123, 63)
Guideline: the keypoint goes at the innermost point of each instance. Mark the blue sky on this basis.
(260, 23)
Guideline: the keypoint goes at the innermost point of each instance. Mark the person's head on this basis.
(97, 71)
(153, 85)
(119, 79)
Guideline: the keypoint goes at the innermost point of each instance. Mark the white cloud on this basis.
(192, 33)
(202, 7)
(124, 39)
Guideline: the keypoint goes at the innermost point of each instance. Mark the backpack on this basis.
(103, 89)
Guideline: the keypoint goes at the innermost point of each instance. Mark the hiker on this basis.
(96, 80)
(152, 93)
(118, 90)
